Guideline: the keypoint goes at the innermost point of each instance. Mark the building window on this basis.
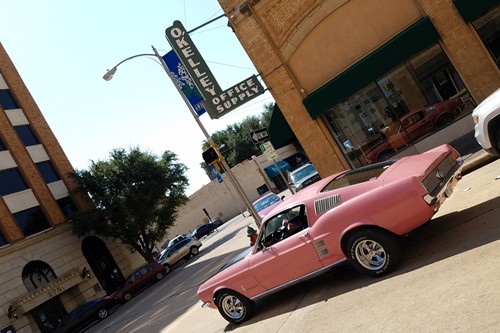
(27, 136)
(405, 105)
(2, 240)
(67, 206)
(6, 100)
(37, 273)
(488, 29)
(31, 221)
(11, 181)
(47, 171)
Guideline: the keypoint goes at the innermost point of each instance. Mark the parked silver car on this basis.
(303, 176)
(184, 249)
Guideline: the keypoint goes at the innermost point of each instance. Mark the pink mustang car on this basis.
(358, 215)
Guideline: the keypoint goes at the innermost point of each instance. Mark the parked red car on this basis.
(139, 280)
(413, 126)
(356, 216)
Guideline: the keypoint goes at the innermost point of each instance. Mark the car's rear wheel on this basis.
(373, 252)
(159, 276)
(167, 268)
(234, 307)
(444, 120)
(102, 313)
(127, 296)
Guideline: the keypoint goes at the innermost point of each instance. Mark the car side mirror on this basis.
(282, 197)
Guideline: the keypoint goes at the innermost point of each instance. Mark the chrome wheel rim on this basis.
(370, 254)
(194, 251)
(127, 296)
(233, 307)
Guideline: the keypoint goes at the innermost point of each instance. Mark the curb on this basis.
(476, 161)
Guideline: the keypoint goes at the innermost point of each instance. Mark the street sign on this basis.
(268, 149)
(259, 136)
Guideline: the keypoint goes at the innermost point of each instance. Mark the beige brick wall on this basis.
(281, 37)
(464, 48)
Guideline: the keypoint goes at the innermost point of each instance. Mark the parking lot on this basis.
(447, 281)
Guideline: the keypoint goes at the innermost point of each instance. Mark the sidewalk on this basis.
(476, 160)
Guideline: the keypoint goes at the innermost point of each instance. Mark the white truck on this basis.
(487, 123)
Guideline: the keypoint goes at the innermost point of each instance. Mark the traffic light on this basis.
(211, 155)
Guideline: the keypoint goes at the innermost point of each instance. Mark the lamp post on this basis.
(109, 75)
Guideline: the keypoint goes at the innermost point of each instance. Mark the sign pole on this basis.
(230, 174)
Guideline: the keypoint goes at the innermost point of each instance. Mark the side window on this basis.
(11, 181)
(2, 240)
(2, 147)
(31, 221)
(47, 171)
(37, 273)
(6, 100)
(27, 136)
(282, 226)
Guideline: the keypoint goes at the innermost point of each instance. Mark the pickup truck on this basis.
(487, 123)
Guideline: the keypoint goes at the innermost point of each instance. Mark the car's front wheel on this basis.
(373, 252)
(102, 313)
(496, 138)
(194, 250)
(159, 276)
(234, 307)
(167, 268)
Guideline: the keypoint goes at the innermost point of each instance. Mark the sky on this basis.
(62, 48)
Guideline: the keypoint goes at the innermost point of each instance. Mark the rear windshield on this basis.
(356, 176)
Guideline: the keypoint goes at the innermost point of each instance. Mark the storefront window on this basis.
(488, 29)
(405, 105)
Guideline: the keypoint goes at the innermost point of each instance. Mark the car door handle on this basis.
(306, 237)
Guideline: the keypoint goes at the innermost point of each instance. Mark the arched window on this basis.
(36, 273)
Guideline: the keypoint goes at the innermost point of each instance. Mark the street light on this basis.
(110, 72)
(109, 75)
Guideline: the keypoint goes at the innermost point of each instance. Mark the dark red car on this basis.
(139, 280)
(413, 126)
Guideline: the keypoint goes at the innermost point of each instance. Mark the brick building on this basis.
(42, 265)
(354, 79)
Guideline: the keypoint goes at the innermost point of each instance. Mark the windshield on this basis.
(357, 176)
(265, 202)
(302, 173)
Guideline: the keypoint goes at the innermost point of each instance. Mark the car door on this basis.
(279, 261)
(417, 125)
(176, 252)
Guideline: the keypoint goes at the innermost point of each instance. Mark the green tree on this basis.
(136, 198)
(235, 143)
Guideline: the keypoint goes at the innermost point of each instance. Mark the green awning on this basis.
(393, 53)
(280, 132)
(473, 9)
